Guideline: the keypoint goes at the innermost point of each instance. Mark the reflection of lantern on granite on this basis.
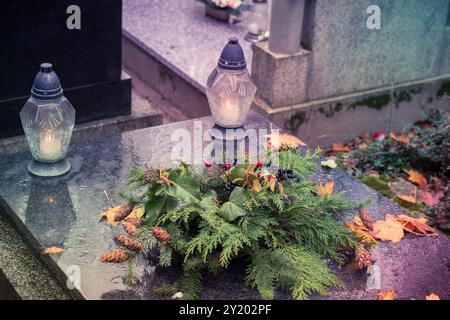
(258, 21)
(229, 88)
(50, 213)
(48, 119)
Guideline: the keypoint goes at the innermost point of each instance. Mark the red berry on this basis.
(259, 164)
(228, 166)
(208, 164)
(379, 136)
(259, 175)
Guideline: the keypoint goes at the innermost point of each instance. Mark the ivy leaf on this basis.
(234, 208)
(154, 207)
(184, 188)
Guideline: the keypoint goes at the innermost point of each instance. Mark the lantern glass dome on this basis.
(48, 126)
(229, 88)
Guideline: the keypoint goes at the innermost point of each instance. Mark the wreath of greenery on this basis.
(280, 221)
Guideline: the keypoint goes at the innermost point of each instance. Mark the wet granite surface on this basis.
(65, 211)
(178, 33)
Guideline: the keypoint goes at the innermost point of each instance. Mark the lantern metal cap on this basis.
(232, 57)
(46, 85)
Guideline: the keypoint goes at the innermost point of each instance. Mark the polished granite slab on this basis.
(64, 212)
(180, 36)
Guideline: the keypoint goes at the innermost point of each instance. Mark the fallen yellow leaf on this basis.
(386, 295)
(418, 178)
(388, 230)
(277, 141)
(114, 215)
(433, 297)
(326, 189)
(330, 163)
(137, 212)
(51, 250)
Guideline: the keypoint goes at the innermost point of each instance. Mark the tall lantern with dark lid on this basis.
(48, 119)
(229, 88)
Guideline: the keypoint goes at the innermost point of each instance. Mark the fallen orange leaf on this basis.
(51, 250)
(361, 234)
(386, 295)
(388, 230)
(415, 225)
(340, 147)
(400, 138)
(408, 198)
(326, 189)
(418, 178)
(433, 297)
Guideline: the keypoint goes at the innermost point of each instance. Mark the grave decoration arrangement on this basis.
(282, 222)
(287, 227)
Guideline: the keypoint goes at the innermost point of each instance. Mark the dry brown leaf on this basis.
(114, 215)
(432, 199)
(416, 226)
(400, 138)
(366, 218)
(418, 178)
(326, 189)
(386, 295)
(340, 147)
(278, 141)
(388, 230)
(51, 250)
(433, 297)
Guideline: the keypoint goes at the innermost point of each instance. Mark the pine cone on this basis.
(151, 175)
(129, 227)
(366, 218)
(134, 221)
(363, 258)
(161, 235)
(128, 243)
(117, 255)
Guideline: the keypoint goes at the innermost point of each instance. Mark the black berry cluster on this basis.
(284, 175)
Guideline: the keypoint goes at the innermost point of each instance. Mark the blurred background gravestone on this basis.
(87, 60)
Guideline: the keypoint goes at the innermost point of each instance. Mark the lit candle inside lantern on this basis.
(50, 145)
(230, 109)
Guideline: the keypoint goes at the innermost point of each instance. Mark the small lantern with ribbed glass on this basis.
(229, 88)
(48, 119)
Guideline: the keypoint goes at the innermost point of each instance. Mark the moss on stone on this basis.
(374, 102)
(338, 107)
(402, 96)
(295, 121)
(413, 208)
(377, 184)
(444, 90)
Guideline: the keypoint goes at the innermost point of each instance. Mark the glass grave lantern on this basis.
(229, 88)
(258, 21)
(48, 119)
